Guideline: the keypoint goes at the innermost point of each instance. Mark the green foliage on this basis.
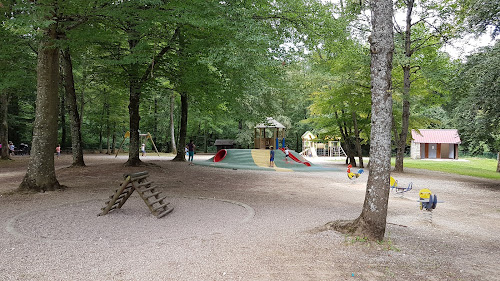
(343, 88)
(477, 99)
(302, 62)
(481, 15)
(18, 79)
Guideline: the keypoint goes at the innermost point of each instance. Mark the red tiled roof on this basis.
(436, 136)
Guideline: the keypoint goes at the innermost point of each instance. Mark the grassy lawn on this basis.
(475, 167)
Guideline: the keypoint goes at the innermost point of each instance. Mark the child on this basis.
(191, 147)
(287, 153)
(271, 160)
(58, 150)
(143, 149)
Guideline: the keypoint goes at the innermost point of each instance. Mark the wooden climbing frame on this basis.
(138, 181)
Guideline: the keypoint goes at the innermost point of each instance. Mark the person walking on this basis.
(58, 150)
(191, 147)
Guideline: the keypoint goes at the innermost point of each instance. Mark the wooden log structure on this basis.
(138, 181)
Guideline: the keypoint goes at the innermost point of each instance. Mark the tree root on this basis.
(30, 186)
(357, 227)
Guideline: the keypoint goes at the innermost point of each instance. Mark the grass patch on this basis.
(386, 244)
(475, 167)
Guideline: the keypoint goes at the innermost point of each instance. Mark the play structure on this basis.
(353, 175)
(394, 186)
(428, 201)
(143, 139)
(258, 159)
(264, 139)
(294, 158)
(312, 147)
(131, 183)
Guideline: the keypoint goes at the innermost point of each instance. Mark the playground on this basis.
(242, 224)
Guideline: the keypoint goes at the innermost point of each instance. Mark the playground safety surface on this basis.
(241, 225)
(258, 159)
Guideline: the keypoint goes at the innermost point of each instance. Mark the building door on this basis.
(432, 150)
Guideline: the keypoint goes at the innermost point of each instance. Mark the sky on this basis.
(469, 44)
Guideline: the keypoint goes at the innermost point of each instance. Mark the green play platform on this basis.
(258, 159)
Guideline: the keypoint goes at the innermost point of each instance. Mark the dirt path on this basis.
(242, 225)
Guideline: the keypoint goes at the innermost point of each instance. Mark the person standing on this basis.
(191, 147)
(11, 148)
(271, 157)
(58, 150)
(143, 149)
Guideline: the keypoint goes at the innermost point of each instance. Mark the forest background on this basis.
(206, 70)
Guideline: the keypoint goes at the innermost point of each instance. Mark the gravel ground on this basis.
(242, 225)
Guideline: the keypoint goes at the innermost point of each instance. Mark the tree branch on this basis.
(157, 57)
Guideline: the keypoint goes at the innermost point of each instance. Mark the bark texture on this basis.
(181, 156)
(372, 220)
(76, 134)
(172, 127)
(4, 126)
(498, 162)
(405, 118)
(41, 174)
(346, 138)
(358, 143)
(133, 107)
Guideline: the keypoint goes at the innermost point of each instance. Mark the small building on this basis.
(434, 144)
(224, 144)
(268, 134)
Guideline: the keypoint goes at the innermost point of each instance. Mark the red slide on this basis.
(295, 158)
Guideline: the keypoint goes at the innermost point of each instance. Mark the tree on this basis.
(69, 86)
(372, 221)
(17, 83)
(41, 173)
(431, 28)
(481, 14)
(342, 104)
(477, 101)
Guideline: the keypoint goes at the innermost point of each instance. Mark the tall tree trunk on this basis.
(41, 174)
(133, 109)
(4, 126)
(372, 221)
(101, 125)
(134, 102)
(346, 140)
(107, 131)
(498, 162)
(405, 118)
(113, 145)
(76, 133)
(358, 144)
(405, 123)
(205, 138)
(172, 127)
(62, 109)
(155, 123)
(180, 156)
